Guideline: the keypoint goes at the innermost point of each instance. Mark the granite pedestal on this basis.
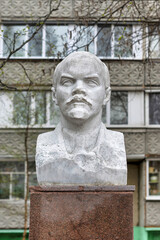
(81, 213)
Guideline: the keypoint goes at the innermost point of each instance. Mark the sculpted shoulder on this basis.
(112, 148)
(116, 139)
(47, 138)
(114, 134)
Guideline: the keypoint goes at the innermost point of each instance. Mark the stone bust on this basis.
(81, 150)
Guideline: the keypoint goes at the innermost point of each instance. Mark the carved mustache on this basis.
(78, 98)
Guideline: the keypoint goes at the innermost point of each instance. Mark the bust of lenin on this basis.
(81, 150)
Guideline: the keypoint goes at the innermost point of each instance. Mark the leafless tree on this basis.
(146, 12)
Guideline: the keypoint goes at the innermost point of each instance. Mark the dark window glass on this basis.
(119, 108)
(104, 41)
(40, 111)
(11, 166)
(154, 108)
(12, 183)
(35, 45)
(54, 112)
(21, 108)
(31, 167)
(4, 186)
(18, 185)
(32, 180)
(104, 114)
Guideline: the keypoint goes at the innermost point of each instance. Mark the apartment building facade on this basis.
(122, 41)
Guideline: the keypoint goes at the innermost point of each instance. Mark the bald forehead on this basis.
(87, 62)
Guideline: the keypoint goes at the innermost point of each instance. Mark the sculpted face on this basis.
(80, 89)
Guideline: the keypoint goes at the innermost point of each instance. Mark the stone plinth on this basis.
(81, 213)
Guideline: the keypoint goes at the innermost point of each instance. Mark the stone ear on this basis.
(107, 95)
(54, 95)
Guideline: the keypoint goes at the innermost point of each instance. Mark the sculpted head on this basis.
(80, 150)
(81, 85)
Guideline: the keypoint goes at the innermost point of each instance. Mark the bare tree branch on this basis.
(39, 26)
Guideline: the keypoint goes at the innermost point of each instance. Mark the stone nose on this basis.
(79, 88)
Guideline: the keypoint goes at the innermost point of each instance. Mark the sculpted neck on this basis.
(81, 125)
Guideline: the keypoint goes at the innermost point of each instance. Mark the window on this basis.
(54, 112)
(13, 37)
(123, 41)
(154, 41)
(21, 108)
(154, 108)
(28, 108)
(57, 41)
(40, 113)
(119, 41)
(153, 178)
(35, 45)
(34, 108)
(12, 179)
(37, 109)
(82, 38)
(49, 41)
(122, 107)
(104, 114)
(104, 41)
(119, 108)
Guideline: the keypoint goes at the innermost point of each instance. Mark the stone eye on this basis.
(92, 82)
(67, 82)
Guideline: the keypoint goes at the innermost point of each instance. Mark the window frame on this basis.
(9, 122)
(134, 30)
(16, 173)
(147, 92)
(52, 116)
(130, 109)
(150, 197)
(148, 50)
(108, 112)
(33, 110)
(136, 55)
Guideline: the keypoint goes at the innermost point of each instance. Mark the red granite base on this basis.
(81, 213)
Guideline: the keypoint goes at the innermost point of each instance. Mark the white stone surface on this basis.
(81, 150)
